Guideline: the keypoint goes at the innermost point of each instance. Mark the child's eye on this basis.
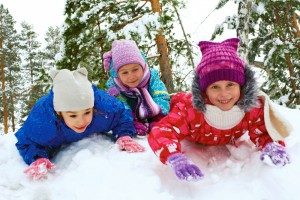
(124, 73)
(87, 113)
(214, 87)
(73, 116)
(230, 84)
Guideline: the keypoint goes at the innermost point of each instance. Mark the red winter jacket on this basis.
(185, 122)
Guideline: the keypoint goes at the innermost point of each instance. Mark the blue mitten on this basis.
(184, 168)
(274, 154)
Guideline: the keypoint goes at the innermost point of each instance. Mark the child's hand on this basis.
(274, 154)
(184, 168)
(128, 144)
(39, 169)
(141, 129)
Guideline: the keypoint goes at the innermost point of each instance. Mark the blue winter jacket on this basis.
(156, 88)
(43, 133)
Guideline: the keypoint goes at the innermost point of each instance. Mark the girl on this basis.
(134, 83)
(224, 105)
(74, 109)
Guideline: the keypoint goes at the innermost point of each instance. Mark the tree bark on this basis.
(4, 101)
(162, 48)
(296, 27)
(287, 56)
(293, 77)
(12, 103)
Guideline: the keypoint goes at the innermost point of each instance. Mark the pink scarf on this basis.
(146, 107)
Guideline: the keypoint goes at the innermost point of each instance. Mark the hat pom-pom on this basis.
(107, 56)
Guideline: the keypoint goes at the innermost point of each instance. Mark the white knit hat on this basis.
(72, 90)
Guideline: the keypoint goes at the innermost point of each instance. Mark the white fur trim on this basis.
(277, 127)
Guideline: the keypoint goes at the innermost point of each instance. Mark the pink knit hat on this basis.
(220, 62)
(124, 52)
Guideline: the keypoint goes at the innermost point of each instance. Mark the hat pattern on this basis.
(220, 62)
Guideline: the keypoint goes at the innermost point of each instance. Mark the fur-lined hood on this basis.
(249, 92)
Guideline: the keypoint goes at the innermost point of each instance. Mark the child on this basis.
(74, 109)
(134, 83)
(224, 105)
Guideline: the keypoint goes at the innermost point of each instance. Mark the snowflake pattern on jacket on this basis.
(186, 122)
(44, 132)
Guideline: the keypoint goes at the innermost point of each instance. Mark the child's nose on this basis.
(224, 92)
(131, 76)
(81, 121)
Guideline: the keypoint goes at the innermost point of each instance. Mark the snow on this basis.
(94, 168)
(139, 26)
(260, 9)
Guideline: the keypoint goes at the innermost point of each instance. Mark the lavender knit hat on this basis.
(123, 52)
(220, 62)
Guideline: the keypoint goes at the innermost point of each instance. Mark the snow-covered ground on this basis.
(95, 169)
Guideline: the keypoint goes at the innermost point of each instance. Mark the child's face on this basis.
(223, 94)
(78, 120)
(131, 75)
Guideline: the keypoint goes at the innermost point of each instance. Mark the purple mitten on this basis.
(184, 168)
(141, 129)
(113, 91)
(274, 154)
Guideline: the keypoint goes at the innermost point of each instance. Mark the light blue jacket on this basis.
(156, 88)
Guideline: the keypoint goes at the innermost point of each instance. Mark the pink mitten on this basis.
(128, 144)
(39, 168)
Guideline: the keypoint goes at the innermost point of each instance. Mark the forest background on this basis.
(269, 33)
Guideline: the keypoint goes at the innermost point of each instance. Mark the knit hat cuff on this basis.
(221, 74)
(136, 59)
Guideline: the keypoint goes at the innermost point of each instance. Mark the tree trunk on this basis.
(296, 27)
(162, 48)
(294, 96)
(12, 103)
(4, 101)
(12, 112)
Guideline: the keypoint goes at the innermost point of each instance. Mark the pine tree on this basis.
(32, 65)
(15, 89)
(180, 51)
(9, 68)
(53, 42)
(30, 51)
(270, 32)
(50, 55)
(91, 26)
